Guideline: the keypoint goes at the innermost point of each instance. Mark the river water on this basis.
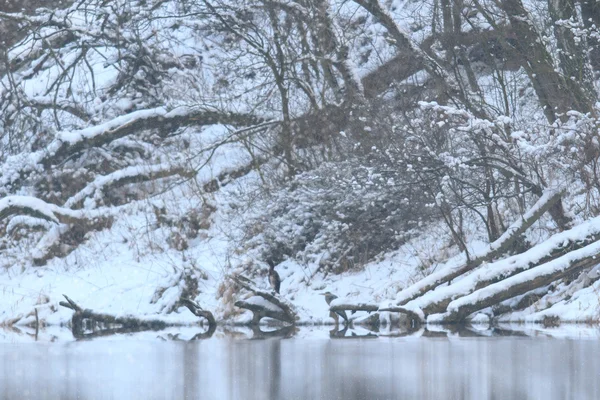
(306, 365)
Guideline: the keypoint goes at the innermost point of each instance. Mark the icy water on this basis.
(308, 365)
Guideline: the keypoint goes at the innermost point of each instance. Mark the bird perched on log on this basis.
(329, 297)
(274, 278)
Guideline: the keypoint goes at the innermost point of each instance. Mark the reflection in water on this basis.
(304, 368)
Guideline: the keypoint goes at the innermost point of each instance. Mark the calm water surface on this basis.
(305, 366)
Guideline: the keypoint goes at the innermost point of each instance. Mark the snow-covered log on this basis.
(133, 174)
(59, 222)
(34, 207)
(500, 246)
(82, 318)
(229, 176)
(71, 142)
(519, 284)
(265, 303)
(413, 317)
(554, 247)
(520, 302)
(37, 208)
(27, 222)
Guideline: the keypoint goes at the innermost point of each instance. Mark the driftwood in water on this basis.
(107, 324)
(271, 305)
(414, 321)
(199, 311)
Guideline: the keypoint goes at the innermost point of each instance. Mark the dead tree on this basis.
(487, 285)
(265, 303)
(557, 94)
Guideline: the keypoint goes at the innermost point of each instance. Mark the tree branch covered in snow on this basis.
(31, 206)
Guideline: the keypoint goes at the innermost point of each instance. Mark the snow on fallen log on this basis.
(68, 143)
(461, 265)
(29, 222)
(37, 208)
(33, 207)
(43, 249)
(262, 308)
(265, 303)
(519, 284)
(107, 322)
(558, 245)
(133, 174)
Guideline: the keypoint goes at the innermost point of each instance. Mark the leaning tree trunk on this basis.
(590, 14)
(553, 248)
(573, 262)
(500, 246)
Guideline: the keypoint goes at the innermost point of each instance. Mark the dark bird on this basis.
(329, 297)
(274, 278)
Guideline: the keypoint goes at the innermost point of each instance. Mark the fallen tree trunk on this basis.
(85, 318)
(573, 262)
(500, 246)
(67, 144)
(261, 311)
(122, 177)
(413, 317)
(37, 208)
(224, 178)
(264, 303)
(519, 302)
(555, 247)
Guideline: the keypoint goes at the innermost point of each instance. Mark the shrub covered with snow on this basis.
(340, 215)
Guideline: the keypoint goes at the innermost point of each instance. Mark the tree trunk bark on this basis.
(590, 14)
(572, 57)
(556, 95)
